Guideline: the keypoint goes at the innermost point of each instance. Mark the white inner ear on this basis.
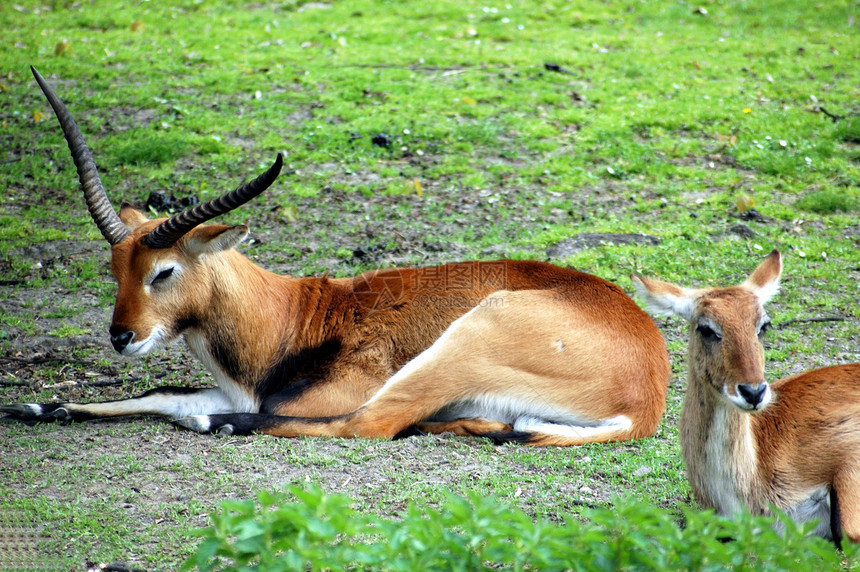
(666, 304)
(766, 292)
(223, 241)
(671, 304)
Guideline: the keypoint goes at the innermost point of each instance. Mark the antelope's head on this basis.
(726, 329)
(157, 263)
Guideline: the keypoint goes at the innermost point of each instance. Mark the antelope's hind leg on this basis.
(465, 427)
(530, 360)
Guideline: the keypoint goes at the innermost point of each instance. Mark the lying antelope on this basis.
(748, 444)
(514, 350)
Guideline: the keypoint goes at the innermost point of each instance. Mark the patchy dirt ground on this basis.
(149, 476)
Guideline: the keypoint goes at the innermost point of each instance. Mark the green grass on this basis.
(664, 118)
(150, 148)
(828, 202)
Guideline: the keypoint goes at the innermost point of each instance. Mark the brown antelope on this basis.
(748, 444)
(515, 350)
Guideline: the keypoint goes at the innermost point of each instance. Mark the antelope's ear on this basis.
(211, 238)
(132, 217)
(764, 281)
(665, 298)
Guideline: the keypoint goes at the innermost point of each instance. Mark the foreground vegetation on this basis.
(322, 532)
(415, 133)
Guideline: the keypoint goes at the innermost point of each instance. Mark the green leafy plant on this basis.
(307, 529)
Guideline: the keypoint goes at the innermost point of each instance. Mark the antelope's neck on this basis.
(719, 449)
(253, 318)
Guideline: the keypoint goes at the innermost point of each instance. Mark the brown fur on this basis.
(601, 371)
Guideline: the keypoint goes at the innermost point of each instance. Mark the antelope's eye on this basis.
(708, 334)
(163, 275)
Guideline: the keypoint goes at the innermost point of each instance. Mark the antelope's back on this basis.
(814, 410)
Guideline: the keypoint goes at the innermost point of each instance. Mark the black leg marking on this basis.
(23, 411)
(411, 431)
(835, 519)
(502, 437)
(10, 419)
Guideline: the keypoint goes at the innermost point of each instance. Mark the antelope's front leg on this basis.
(278, 425)
(167, 401)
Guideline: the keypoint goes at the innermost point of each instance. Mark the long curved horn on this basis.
(105, 217)
(167, 233)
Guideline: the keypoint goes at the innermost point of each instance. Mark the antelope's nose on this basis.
(120, 338)
(753, 393)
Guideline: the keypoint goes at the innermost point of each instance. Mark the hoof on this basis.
(224, 430)
(23, 410)
(61, 414)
